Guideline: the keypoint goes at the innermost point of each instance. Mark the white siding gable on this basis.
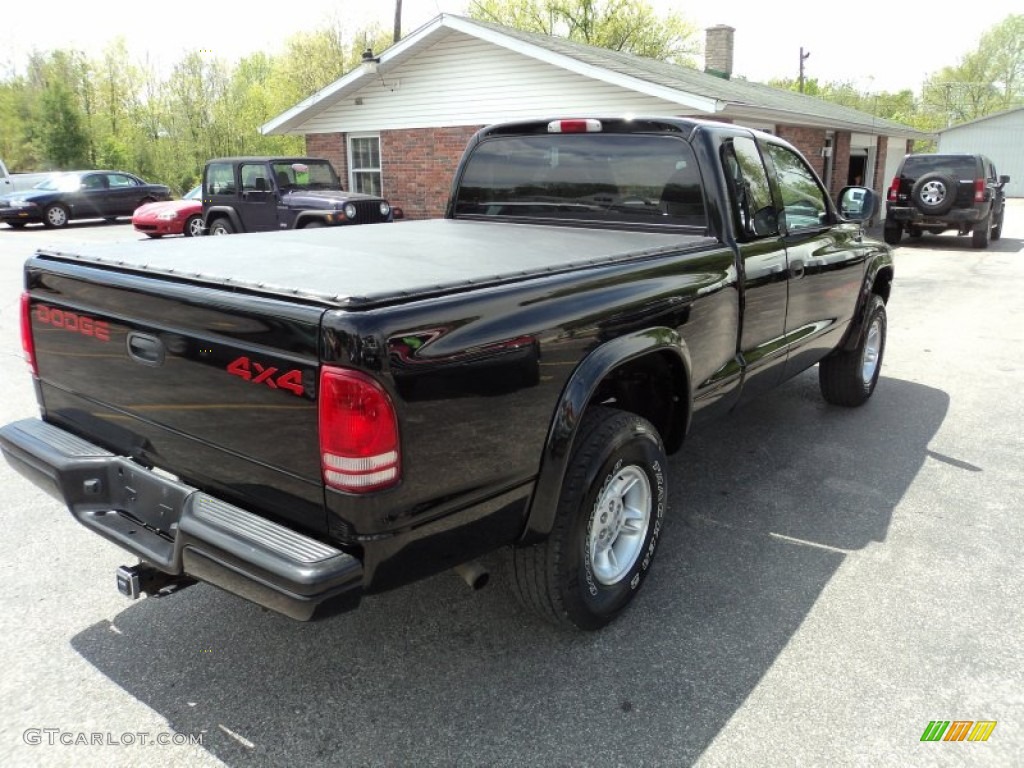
(999, 138)
(462, 80)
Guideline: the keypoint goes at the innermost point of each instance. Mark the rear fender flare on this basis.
(218, 211)
(576, 396)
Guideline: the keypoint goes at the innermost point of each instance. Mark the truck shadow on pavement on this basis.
(766, 507)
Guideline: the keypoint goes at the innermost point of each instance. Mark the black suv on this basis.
(261, 194)
(933, 193)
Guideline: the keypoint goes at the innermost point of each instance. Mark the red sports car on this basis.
(173, 217)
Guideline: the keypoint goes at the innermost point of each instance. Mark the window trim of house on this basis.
(353, 170)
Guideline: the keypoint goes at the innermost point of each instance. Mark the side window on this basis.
(751, 194)
(364, 169)
(254, 178)
(94, 181)
(119, 181)
(220, 179)
(803, 199)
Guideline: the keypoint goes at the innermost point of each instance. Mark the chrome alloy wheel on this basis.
(933, 193)
(872, 351)
(618, 524)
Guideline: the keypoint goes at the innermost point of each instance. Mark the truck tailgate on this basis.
(215, 386)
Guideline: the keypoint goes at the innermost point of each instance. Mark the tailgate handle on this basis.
(145, 349)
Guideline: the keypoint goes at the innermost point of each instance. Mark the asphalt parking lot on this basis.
(829, 582)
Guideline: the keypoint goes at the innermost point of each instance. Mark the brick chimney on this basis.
(718, 51)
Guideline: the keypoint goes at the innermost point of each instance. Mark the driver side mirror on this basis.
(1004, 179)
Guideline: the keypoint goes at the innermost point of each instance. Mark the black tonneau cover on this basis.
(364, 266)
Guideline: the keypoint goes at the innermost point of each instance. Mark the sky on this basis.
(877, 45)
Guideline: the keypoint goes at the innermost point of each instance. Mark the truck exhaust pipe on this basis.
(474, 574)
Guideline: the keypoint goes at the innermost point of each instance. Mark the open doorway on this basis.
(857, 175)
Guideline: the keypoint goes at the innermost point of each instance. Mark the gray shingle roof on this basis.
(738, 94)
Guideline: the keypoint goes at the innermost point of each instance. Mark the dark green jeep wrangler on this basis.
(261, 194)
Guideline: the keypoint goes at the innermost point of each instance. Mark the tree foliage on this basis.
(64, 110)
(67, 111)
(986, 80)
(631, 26)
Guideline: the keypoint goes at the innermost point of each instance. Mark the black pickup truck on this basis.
(309, 417)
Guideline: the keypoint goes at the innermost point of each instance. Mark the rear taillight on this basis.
(894, 189)
(979, 190)
(359, 449)
(27, 343)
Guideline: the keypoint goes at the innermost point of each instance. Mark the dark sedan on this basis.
(79, 195)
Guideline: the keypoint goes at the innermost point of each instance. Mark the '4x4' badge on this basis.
(257, 373)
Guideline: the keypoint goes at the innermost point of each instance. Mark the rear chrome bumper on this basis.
(181, 530)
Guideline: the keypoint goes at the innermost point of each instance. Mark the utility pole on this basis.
(803, 57)
(398, 21)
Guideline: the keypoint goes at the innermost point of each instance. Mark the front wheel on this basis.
(56, 216)
(610, 512)
(848, 377)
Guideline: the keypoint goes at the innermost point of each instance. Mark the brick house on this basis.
(398, 123)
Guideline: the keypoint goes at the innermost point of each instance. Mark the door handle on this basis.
(796, 269)
(145, 349)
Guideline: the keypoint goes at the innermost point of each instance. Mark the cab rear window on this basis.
(592, 178)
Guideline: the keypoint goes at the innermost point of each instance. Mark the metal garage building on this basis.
(998, 136)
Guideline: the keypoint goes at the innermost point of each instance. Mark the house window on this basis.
(364, 174)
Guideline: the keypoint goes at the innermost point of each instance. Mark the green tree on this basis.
(631, 26)
(986, 80)
(65, 141)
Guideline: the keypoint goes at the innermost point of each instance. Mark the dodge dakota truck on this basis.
(309, 417)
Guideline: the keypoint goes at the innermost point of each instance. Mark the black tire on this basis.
(980, 235)
(934, 193)
(915, 232)
(848, 377)
(16, 224)
(55, 216)
(314, 224)
(154, 235)
(571, 578)
(221, 227)
(997, 228)
(193, 226)
(892, 233)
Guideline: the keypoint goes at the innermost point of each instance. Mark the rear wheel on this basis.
(979, 238)
(892, 232)
(154, 235)
(610, 512)
(221, 227)
(848, 377)
(997, 228)
(16, 224)
(193, 226)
